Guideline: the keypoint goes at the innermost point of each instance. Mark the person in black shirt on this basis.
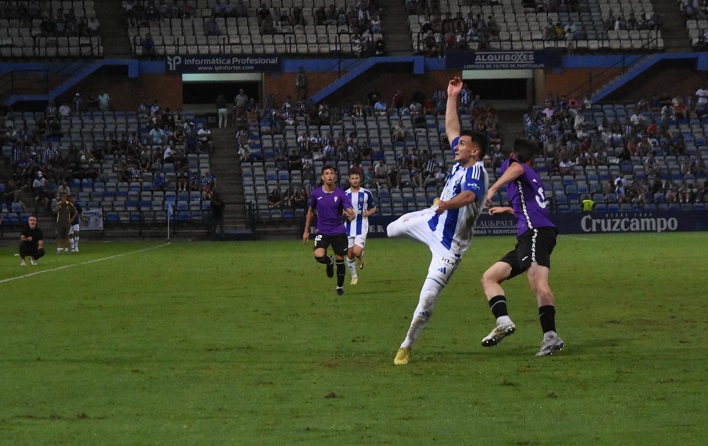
(31, 242)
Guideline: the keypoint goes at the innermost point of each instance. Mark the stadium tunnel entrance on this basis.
(199, 92)
(503, 88)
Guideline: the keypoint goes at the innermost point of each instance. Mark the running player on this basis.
(329, 202)
(364, 206)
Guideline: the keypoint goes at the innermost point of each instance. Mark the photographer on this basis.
(31, 242)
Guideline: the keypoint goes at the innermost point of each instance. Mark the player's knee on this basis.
(392, 230)
(488, 278)
(322, 259)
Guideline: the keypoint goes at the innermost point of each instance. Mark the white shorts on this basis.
(74, 228)
(415, 226)
(359, 240)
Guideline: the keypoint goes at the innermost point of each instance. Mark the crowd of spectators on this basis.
(647, 136)
(442, 33)
(147, 12)
(397, 162)
(617, 22)
(54, 22)
(693, 9)
(40, 168)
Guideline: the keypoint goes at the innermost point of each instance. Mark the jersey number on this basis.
(541, 198)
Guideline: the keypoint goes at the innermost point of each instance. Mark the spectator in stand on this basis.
(240, 103)
(619, 190)
(211, 27)
(93, 26)
(222, 111)
(381, 174)
(148, 45)
(244, 153)
(274, 199)
(301, 84)
(158, 182)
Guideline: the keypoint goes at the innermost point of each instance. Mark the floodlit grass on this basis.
(247, 343)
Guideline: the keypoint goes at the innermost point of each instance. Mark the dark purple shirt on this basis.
(329, 207)
(527, 197)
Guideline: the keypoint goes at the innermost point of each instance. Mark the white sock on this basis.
(417, 326)
(503, 320)
(76, 242)
(71, 243)
(351, 264)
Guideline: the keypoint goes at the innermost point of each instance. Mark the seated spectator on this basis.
(168, 155)
(381, 174)
(204, 142)
(380, 108)
(399, 132)
(294, 161)
(211, 28)
(93, 26)
(148, 45)
(244, 152)
(300, 199)
(158, 182)
(274, 199)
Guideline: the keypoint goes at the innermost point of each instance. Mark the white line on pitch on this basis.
(88, 262)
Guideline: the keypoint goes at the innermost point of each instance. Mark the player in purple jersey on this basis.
(330, 203)
(536, 239)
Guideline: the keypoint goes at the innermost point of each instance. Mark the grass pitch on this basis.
(247, 343)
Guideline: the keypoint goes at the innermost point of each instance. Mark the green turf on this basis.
(247, 343)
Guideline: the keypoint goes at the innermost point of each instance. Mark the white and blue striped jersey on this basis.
(453, 228)
(362, 200)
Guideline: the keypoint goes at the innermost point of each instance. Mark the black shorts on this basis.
(339, 242)
(63, 230)
(534, 245)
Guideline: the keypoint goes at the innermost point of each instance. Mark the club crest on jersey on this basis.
(335, 199)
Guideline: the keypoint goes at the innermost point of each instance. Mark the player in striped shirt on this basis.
(536, 238)
(364, 206)
(447, 226)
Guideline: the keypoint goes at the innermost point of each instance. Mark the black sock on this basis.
(498, 306)
(327, 260)
(547, 314)
(340, 272)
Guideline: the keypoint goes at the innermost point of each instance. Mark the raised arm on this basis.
(452, 121)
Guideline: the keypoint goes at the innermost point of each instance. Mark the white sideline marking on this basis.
(82, 263)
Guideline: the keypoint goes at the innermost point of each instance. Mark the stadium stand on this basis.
(108, 163)
(667, 174)
(287, 26)
(50, 29)
(586, 25)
